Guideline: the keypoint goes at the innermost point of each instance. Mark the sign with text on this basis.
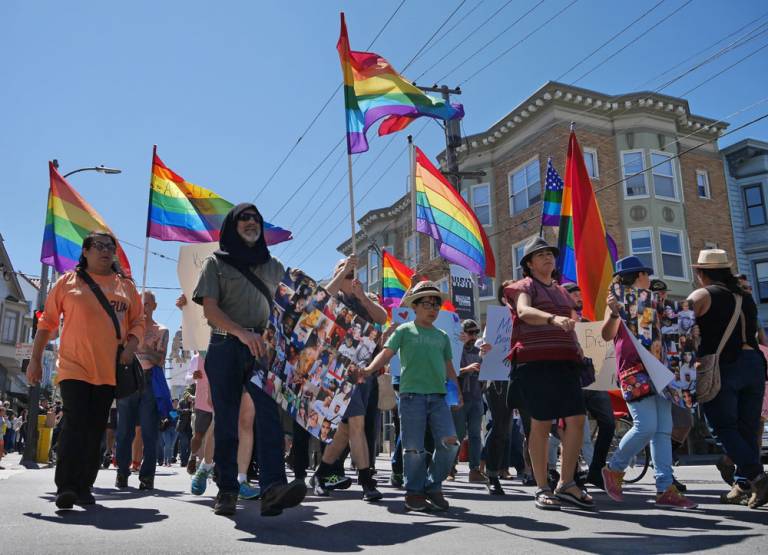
(601, 352)
(196, 333)
(23, 351)
(498, 333)
(463, 292)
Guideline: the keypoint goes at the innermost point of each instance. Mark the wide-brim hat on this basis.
(631, 265)
(421, 290)
(535, 245)
(712, 259)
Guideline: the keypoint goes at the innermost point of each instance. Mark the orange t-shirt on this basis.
(88, 346)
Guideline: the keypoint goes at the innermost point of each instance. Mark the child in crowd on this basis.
(425, 359)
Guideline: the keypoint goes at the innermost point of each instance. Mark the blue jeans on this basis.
(735, 412)
(416, 411)
(228, 366)
(469, 420)
(138, 409)
(651, 422)
(169, 442)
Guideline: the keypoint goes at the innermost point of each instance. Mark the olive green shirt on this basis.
(237, 297)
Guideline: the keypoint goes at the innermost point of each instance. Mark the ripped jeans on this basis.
(416, 411)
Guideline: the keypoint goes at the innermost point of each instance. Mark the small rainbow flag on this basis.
(395, 281)
(181, 211)
(443, 214)
(68, 221)
(374, 90)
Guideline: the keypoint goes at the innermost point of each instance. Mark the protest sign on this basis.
(312, 340)
(678, 353)
(463, 291)
(196, 332)
(447, 321)
(660, 374)
(498, 333)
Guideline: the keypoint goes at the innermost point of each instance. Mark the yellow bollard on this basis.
(45, 434)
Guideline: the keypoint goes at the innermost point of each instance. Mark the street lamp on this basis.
(28, 460)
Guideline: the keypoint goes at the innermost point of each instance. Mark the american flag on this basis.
(553, 197)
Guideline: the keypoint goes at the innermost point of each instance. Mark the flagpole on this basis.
(412, 163)
(149, 208)
(351, 206)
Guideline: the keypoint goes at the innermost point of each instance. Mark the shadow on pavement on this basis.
(104, 518)
(647, 544)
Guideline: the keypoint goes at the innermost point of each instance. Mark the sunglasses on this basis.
(248, 216)
(430, 304)
(101, 247)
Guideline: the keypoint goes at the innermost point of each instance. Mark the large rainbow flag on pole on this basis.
(443, 214)
(594, 267)
(68, 221)
(181, 211)
(374, 90)
(395, 281)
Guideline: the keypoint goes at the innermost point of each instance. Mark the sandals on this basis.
(584, 501)
(545, 500)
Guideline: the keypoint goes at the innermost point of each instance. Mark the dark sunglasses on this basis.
(248, 216)
(101, 247)
(430, 304)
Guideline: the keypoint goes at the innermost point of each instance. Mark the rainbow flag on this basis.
(443, 214)
(68, 221)
(594, 267)
(395, 281)
(181, 211)
(553, 197)
(374, 90)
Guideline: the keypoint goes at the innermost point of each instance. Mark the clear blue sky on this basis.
(226, 88)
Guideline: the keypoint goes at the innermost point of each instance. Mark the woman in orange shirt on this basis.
(87, 357)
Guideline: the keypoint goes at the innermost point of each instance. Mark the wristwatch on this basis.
(551, 319)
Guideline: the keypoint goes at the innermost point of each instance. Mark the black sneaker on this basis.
(226, 503)
(85, 498)
(317, 484)
(66, 499)
(282, 496)
(107, 459)
(682, 488)
(147, 482)
(494, 486)
(370, 493)
(334, 481)
(121, 481)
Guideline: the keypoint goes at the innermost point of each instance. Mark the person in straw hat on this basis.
(425, 362)
(735, 412)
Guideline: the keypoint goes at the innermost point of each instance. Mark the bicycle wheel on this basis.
(638, 464)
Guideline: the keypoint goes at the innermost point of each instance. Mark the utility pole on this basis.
(452, 138)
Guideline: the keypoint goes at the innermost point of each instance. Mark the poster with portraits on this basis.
(677, 322)
(312, 341)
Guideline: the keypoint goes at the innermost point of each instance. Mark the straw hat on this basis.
(712, 259)
(421, 290)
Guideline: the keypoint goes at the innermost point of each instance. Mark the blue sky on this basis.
(225, 89)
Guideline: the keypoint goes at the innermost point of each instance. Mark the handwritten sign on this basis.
(498, 333)
(196, 332)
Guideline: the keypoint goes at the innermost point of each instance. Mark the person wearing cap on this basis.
(578, 303)
(734, 413)
(651, 414)
(236, 289)
(425, 365)
(545, 357)
(468, 419)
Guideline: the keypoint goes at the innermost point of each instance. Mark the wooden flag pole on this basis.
(352, 206)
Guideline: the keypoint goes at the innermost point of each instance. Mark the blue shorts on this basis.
(361, 396)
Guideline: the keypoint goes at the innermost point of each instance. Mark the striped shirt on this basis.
(548, 342)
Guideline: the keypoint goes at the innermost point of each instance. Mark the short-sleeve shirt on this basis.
(237, 297)
(538, 343)
(423, 354)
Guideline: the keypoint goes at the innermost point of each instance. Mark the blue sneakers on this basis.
(249, 492)
(200, 480)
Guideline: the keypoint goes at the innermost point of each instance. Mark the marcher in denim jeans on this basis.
(138, 409)
(425, 360)
(236, 289)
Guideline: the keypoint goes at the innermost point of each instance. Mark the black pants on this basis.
(300, 451)
(86, 411)
(598, 404)
(502, 398)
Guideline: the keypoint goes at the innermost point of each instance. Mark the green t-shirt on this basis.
(423, 354)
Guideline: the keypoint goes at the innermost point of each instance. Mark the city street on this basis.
(173, 520)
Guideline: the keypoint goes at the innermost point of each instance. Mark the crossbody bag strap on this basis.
(102, 300)
(731, 325)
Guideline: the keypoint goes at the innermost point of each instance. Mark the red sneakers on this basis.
(612, 482)
(674, 499)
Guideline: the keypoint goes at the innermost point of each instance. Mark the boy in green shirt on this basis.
(425, 360)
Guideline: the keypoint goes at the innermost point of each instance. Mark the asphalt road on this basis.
(171, 520)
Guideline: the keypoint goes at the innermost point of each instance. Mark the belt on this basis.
(219, 331)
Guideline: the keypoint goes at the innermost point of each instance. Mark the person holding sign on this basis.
(545, 359)
(236, 288)
(651, 412)
(425, 359)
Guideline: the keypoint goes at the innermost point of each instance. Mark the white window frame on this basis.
(490, 204)
(517, 273)
(595, 164)
(434, 252)
(759, 187)
(683, 254)
(519, 168)
(412, 241)
(653, 244)
(443, 285)
(675, 186)
(364, 271)
(644, 173)
(493, 289)
(11, 339)
(756, 280)
(373, 267)
(705, 175)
